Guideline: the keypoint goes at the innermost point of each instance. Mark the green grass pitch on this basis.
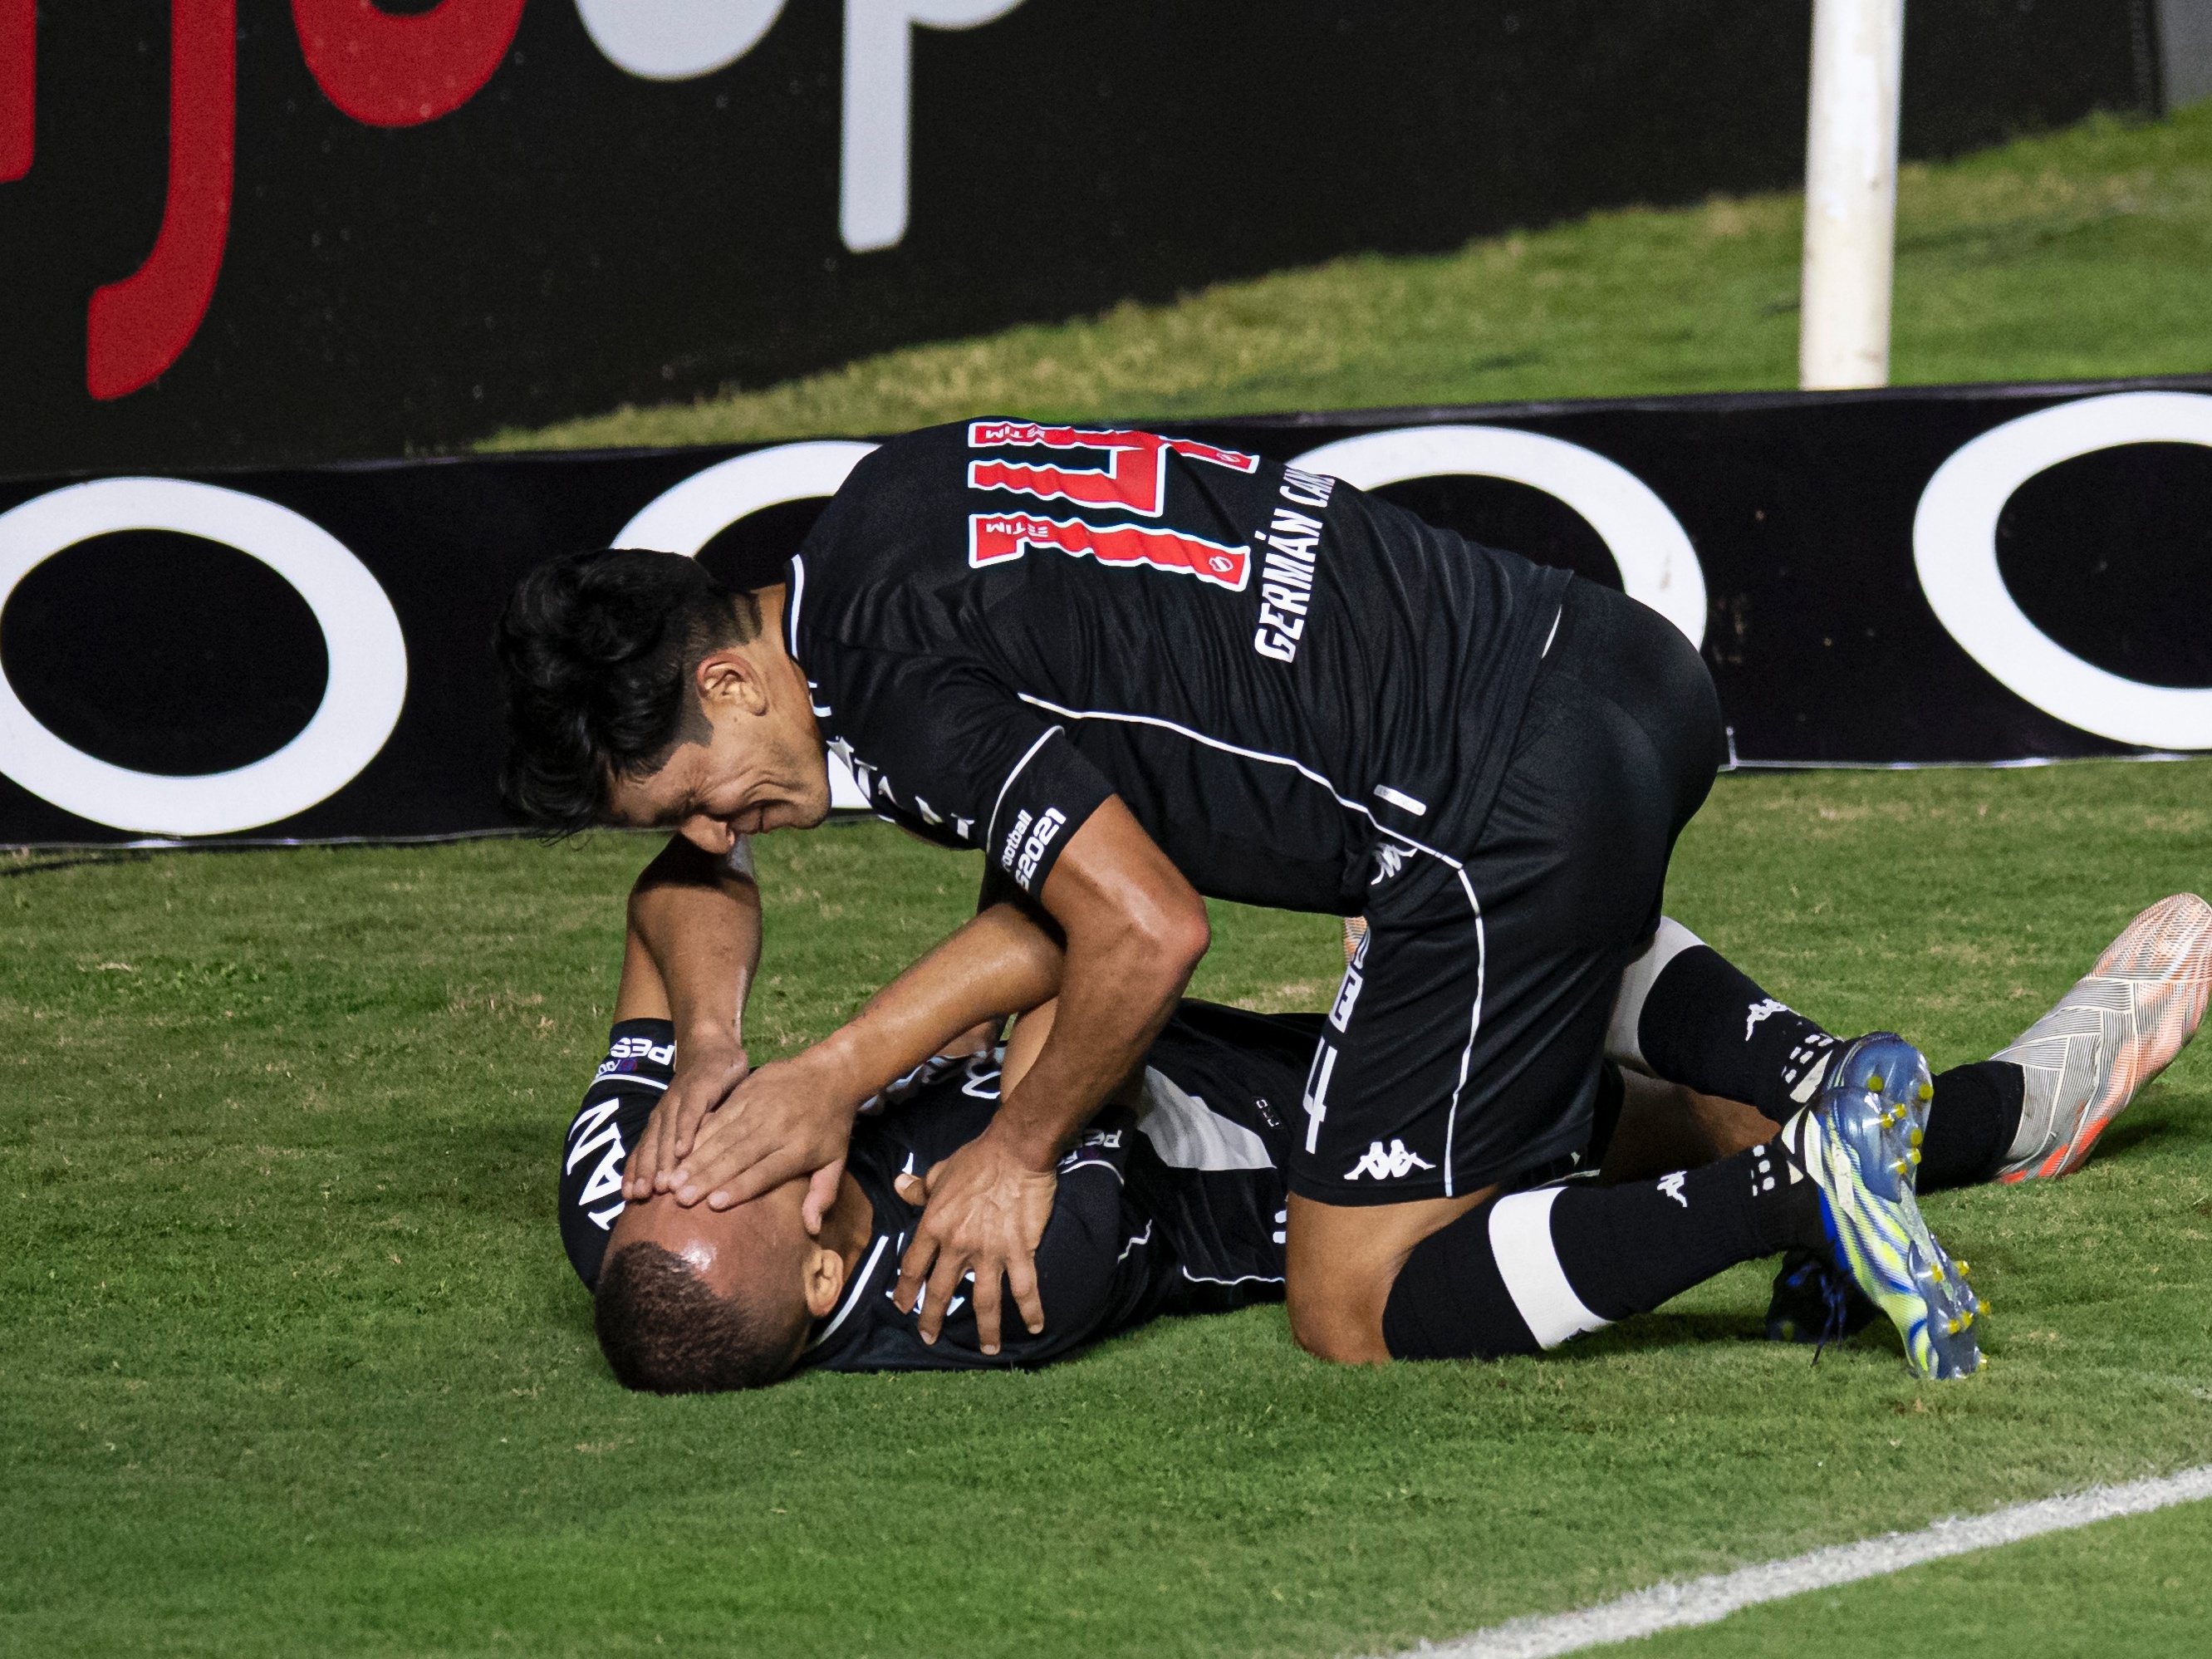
(292, 1361)
(2082, 252)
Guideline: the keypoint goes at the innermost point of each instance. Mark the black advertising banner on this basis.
(1980, 573)
(263, 234)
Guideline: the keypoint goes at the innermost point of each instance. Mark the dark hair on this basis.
(597, 651)
(663, 1332)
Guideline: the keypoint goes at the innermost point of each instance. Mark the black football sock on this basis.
(1706, 1025)
(1530, 1270)
(1971, 1124)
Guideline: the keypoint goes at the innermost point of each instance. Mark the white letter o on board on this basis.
(362, 699)
(1657, 563)
(1955, 547)
(686, 517)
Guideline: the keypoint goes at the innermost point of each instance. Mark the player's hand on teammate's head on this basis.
(776, 1125)
(707, 1070)
(985, 1213)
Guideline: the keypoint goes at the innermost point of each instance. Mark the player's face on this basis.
(761, 768)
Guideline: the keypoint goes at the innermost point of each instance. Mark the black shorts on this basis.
(1465, 1042)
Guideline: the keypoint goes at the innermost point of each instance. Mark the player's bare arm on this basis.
(695, 919)
(1134, 930)
(794, 1117)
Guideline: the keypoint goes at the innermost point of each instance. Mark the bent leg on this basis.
(1664, 1127)
(1340, 1262)
(1533, 1270)
(1971, 1122)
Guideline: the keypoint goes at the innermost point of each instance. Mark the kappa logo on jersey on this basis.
(1389, 859)
(1135, 479)
(995, 538)
(1033, 850)
(1393, 1165)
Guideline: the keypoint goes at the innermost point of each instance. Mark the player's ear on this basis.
(823, 1275)
(729, 678)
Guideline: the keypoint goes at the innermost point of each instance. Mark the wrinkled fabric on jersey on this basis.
(1004, 622)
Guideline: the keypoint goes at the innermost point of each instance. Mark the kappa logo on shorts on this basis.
(1389, 859)
(1393, 1165)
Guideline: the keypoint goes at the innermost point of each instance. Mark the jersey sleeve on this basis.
(946, 746)
(639, 1065)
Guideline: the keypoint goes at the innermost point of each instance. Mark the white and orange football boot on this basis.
(2119, 1027)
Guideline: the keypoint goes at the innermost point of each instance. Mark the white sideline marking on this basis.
(1707, 1601)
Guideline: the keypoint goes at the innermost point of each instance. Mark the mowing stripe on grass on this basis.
(1707, 1601)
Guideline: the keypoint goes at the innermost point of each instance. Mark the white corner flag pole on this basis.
(1851, 193)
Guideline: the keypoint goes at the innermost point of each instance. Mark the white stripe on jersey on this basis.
(1190, 1134)
(629, 1078)
(1473, 1025)
(991, 828)
(1228, 748)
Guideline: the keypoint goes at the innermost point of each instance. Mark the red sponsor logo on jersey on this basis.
(994, 537)
(1134, 477)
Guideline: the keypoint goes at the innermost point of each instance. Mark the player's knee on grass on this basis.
(1338, 1264)
(1338, 1329)
(700, 1301)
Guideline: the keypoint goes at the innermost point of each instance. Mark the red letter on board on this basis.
(387, 70)
(137, 327)
(18, 81)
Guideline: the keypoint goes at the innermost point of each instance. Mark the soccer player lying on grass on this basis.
(1134, 670)
(1172, 1201)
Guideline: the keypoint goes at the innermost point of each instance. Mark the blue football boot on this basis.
(1860, 1142)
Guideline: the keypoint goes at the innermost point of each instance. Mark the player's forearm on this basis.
(699, 919)
(1134, 929)
(1000, 963)
(1118, 988)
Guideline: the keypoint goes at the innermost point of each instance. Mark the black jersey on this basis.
(1173, 1206)
(1004, 622)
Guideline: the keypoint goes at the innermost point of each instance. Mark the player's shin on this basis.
(1532, 1270)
